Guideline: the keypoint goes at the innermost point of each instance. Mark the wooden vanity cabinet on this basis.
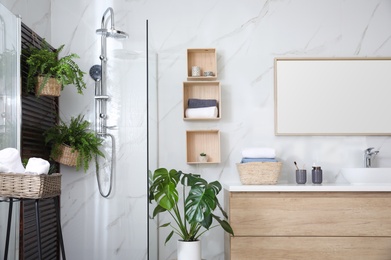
(309, 225)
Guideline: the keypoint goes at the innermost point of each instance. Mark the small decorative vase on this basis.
(188, 250)
(203, 159)
(195, 71)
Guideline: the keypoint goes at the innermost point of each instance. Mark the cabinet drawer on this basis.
(314, 248)
(310, 214)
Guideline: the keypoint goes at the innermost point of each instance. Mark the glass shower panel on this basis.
(152, 148)
(153, 127)
(10, 42)
(9, 79)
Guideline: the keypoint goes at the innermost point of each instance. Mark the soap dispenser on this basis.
(317, 175)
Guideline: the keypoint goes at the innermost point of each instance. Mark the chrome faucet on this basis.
(368, 156)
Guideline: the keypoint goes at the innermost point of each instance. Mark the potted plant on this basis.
(73, 144)
(195, 214)
(46, 69)
(203, 158)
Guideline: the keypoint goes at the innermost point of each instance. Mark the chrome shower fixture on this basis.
(98, 73)
(112, 32)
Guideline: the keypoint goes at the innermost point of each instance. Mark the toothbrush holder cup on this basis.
(301, 176)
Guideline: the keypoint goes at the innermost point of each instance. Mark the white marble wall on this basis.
(247, 35)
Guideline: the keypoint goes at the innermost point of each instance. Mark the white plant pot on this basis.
(203, 159)
(188, 250)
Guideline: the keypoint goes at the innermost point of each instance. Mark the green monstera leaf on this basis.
(193, 214)
(163, 190)
(201, 201)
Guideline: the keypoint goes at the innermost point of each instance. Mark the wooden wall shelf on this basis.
(206, 59)
(201, 90)
(203, 141)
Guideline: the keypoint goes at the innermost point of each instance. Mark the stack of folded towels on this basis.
(201, 108)
(10, 162)
(258, 154)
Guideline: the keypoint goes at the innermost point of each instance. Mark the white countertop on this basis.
(325, 187)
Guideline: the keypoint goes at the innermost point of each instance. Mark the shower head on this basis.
(112, 32)
(96, 72)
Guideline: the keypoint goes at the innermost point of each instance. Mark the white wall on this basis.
(247, 35)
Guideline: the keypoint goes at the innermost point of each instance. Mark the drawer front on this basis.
(314, 248)
(310, 214)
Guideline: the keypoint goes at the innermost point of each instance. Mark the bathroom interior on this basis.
(145, 76)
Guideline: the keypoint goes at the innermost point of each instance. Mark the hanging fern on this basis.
(45, 62)
(76, 135)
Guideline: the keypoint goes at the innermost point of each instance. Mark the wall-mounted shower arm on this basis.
(112, 32)
(112, 18)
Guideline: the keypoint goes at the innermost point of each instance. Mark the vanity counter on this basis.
(325, 187)
(324, 221)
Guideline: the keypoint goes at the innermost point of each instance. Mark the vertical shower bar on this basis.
(101, 96)
(103, 88)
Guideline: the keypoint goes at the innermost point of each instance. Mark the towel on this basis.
(10, 161)
(37, 166)
(261, 152)
(203, 112)
(4, 168)
(246, 160)
(197, 103)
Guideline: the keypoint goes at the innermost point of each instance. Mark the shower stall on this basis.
(10, 108)
(94, 227)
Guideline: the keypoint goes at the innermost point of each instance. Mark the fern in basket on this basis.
(76, 135)
(45, 62)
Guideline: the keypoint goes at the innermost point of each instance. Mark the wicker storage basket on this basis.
(52, 87)
(66, 156)
(253, 173)
(30, 186)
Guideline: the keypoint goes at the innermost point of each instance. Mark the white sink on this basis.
(364, 176)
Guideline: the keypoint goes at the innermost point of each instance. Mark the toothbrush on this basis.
(296, 165)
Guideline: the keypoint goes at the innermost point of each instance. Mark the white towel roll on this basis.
(37, 166)
(261, 152)
(202, 112)
(10, 160)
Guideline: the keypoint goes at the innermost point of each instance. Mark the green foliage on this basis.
(45, 62)
(78, 137)
(199, 202)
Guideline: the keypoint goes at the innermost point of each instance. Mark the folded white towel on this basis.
(261, 152)
(10, 160)
(4, 168)
(37, 166)
(202, 112)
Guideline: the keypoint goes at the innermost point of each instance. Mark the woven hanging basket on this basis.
(67, 157)
(52, 87)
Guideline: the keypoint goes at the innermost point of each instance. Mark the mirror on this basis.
(332, 96)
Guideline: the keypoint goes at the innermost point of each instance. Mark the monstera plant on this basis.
(193, 214)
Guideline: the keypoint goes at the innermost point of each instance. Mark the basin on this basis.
(364, 176)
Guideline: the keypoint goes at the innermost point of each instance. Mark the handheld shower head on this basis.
(96, 72)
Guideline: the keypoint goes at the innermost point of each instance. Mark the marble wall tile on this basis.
(248, 35)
